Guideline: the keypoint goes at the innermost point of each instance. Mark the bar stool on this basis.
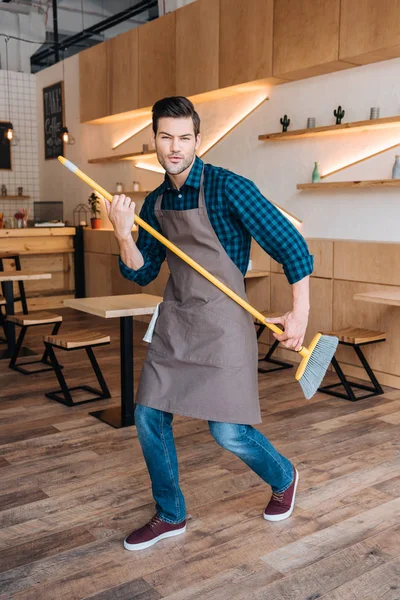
(81, 340)
(32, 320)
(279, 364)
(22, 296)
(355, 338)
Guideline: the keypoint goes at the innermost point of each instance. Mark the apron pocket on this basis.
(170, 335)
(216, 340)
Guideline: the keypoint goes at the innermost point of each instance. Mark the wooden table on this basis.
(388, 297)
(125, 308)
(7, 279)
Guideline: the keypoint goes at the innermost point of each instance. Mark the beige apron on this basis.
(202, 360)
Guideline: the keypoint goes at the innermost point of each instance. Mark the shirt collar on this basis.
(193, 179)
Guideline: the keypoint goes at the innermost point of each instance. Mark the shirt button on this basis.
(180, 196)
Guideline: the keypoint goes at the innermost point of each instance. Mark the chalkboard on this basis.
(5, 147)
(53, 111)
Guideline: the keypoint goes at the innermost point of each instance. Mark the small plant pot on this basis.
(95, 223)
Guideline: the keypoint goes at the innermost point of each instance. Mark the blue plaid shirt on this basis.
(237, 211)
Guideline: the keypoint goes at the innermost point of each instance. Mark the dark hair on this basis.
(176, 107)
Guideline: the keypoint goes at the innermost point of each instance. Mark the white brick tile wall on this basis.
(25, 168)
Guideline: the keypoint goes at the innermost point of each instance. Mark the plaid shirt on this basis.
(237, 211)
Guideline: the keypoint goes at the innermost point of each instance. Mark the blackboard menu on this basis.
(5, 147)
(53, 107)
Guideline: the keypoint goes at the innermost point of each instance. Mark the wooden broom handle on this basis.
(253, 311)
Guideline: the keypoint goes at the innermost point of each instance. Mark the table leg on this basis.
(8, 291)
(10, 327)
(123, 416)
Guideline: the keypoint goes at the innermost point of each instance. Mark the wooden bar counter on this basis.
(49, 249)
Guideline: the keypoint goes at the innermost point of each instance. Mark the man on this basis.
(202, 360)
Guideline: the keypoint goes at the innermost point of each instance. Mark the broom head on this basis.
(314, 365)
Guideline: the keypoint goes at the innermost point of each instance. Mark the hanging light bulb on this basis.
(65, 135)
(9, 132)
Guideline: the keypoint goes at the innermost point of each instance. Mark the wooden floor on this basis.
(73, 487)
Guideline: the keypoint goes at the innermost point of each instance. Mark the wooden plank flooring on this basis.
(73, 487)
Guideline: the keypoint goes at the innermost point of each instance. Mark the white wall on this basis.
(275, 167)
(372, 214)
(166, 6)
(29, 27)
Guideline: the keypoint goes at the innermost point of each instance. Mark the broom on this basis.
(316, 358)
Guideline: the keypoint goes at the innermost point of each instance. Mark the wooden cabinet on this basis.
(369, 30)
(245, 41)
(197, 47)
(122, 72)
(306, 38)
(157, 60)
(93, 83)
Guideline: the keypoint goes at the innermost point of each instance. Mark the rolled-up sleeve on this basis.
(270, 228)
(152, 250)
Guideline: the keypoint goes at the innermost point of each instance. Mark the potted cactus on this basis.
(94, 202)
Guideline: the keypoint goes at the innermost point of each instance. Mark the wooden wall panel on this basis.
(320, 318)
(157, 60)
(197, 47)
(369, 30)
(259, 258)
(98, 274)
(119, 284)
(258, 292)
(346, 311)
(245, 41)
(93, 83)
(306, 38)
(98, 241)
(322, 250)
(372, 262)
(122, 72)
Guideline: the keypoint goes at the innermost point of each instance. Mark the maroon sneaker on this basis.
(151, 533)
(281, 505)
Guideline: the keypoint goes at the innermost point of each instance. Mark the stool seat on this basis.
(35, 318)
(356, 335)
(80, 339)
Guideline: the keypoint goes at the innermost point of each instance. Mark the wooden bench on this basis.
(24, 321)
(279, 365)
(355, 337)
(81, 340)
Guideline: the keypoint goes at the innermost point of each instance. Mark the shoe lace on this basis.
(154, 521)
(278, 496)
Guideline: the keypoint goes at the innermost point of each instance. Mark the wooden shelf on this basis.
(255, 273)
(330, 185)
(14, 197)
(117, 158)
(383, 123)
(140, 193)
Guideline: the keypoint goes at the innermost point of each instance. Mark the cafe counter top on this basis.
(43, 249)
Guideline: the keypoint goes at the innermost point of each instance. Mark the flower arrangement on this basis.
(21, 217)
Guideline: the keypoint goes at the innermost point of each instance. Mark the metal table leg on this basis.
(123, 416)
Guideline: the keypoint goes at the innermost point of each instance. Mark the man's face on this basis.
(175, 144)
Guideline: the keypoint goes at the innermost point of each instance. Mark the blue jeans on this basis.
(156, 438)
